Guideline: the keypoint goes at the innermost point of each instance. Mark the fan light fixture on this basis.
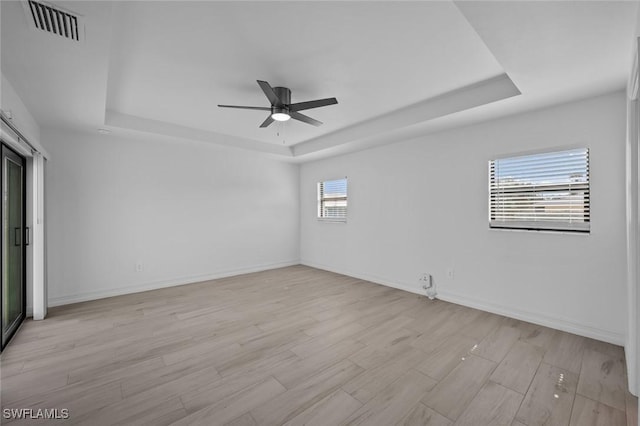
(280, 116)
(279, 113)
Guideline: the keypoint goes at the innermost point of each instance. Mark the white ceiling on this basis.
(398, 69)
(62, 82)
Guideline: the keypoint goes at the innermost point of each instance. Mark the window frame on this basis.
(319, 201)
(576, 228)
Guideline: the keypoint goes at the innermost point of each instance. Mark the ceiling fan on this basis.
(281, 107)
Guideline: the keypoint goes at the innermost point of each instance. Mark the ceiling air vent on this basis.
(54, 20)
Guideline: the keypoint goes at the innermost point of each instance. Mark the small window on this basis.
(332, 200)
(547, 191)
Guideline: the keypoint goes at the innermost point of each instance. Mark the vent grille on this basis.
(55, 21)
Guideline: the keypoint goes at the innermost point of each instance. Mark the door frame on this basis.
(23, 316)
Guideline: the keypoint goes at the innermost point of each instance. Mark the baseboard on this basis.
(366, 277)
(155, 285)
(546, 320)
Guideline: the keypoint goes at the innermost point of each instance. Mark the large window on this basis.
(332, 200)
(547, 191)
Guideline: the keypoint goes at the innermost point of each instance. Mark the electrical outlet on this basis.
(138, 266)
(450, 273)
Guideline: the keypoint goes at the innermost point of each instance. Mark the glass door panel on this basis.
(13, 243)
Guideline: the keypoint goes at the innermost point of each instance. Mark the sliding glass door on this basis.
(14, 240)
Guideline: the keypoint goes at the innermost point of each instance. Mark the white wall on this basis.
(186, 211)
(22, 118)
(421, 206)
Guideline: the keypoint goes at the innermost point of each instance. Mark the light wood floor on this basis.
(302, 346)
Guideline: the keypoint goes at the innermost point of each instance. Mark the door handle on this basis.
(16, 233)
(27, 236)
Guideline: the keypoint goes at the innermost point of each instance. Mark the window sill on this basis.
(541, 231)
(322, 219)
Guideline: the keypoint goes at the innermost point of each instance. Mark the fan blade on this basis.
(270, 94)
(301, 117)
(266, 122)
(300, 106)
(245, 107)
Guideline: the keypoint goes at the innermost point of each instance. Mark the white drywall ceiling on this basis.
(398, 69)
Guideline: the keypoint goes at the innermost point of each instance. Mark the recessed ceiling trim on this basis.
(140, 124)
(377, 131)
(477, 94)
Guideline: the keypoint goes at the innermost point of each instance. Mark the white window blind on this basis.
(332, 200)
(548, 191)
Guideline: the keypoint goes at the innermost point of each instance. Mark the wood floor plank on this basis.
(12, 368)
(435, 313)
(275, 341)
(592, 413)
(519, 366)
(331, 410)
(401, 336)
(494, 405)
(190, 351)
(388, 333)
(330, 326)
(439, 362)
(286, 323)
(452, 395)
(160, 415)
(145, 380)
(372, 356)
(23, 385)
(534, 334)
(256, 361)
(436, 332)
(322, 341)
(602, 378)
(205, 393)
(481, 326)
(368, 384)
(297, 400)
(497, 344)
(74, 356)
(125, 412)
(394, 401)
(243, 420)
(290, 376)
(117, 369)
(421, 415)
(549, 398)
(604, 347)
(227, 409)
(565, 351)
(79, 398)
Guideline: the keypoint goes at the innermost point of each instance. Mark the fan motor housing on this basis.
(284, 94)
